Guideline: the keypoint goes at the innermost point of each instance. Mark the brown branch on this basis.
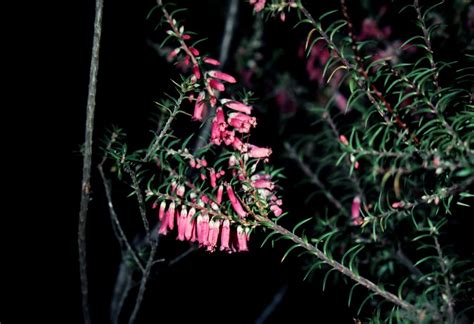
(87, 161)
(339, 267)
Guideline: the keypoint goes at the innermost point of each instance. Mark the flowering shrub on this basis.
(385, 152)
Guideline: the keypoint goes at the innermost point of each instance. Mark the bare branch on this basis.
(87, 161)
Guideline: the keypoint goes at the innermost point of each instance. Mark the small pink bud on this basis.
(180, 191)
(203, 176)
(203, 162)
(186, 60)
(205, 199)
(222, 76)
(343, 140)
(235, 202)
(192, 163)
(194, 51)
(282, 16)
(211, 61)
(436, 161)
(356, 165)
(186, 37)
(196, 71)
(397, 204)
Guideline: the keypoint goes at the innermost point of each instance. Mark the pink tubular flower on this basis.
(182, 223)
(203, 229)
(164, 225)
(214, 84)
(218, 125)
(199, 106)
(238, 106)
(194, 51)
(212, 176)
(173, 53)
(258, 152)
(211, 61)
(222, 76)
(170, 215)
(235, 202)
(225, 234)
(219, 194)
(241, 122)
(196, 71)
(161, 212)
(214, 226)
(242, 239)
(189, 231)
(263, 184)
(355, 211)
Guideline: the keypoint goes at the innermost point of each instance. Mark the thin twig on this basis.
(121, 237)
(155, 146)
(338, 266)
(313, 178)
(182, 255)
(141, 201)
(447, 287)
(141, 291)
(87, 161)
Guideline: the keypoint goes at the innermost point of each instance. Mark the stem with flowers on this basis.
(389, 152)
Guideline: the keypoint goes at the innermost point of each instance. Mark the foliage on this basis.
(385, 154)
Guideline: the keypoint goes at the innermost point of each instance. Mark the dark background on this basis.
(41, 279)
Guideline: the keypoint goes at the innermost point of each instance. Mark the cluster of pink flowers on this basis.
(200, 218)
(210, 232)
